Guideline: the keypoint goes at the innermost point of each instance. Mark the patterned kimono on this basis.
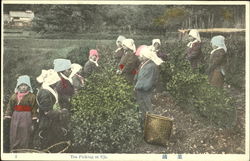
(21, 120)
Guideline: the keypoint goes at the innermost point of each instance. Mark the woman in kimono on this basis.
(75, 77)
(156, 47)
(22, 110)
(92, 64)
(217, 62)
(193, 53)
(51, 123)
(129, 62)
(64, 87)
(146, 80)
(119, 52)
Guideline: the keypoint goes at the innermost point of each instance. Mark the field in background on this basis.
(25, 53)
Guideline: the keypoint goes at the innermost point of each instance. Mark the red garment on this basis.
(134, 72)
(21, 95)
(121, 66)
(22, 108)
(63, 82)
(94, 52)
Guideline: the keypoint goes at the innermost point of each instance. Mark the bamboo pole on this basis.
(215, 30)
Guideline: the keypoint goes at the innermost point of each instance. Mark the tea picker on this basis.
(217, 62)
(146, 79)
(64, 88)
(92, 64)
(119, 52)
(129, 62)
(193, 52)
(22, 110)
(156, 47)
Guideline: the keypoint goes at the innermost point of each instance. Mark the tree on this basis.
(172, 17)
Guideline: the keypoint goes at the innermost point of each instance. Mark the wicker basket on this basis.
(60, 147)
(157, 129)
(26, 151)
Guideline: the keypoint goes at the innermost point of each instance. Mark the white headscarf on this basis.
(120, 39)
(152, 47)
(24, 79)
(74, 69)
(129, 43)
(195, 34)
(49, 77)
(149, 54)
(61, 64)
(156, 40)
(218, 41)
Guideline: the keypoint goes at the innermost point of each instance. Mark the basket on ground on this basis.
(157, 129)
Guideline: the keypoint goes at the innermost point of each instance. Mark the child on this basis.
(22, 110)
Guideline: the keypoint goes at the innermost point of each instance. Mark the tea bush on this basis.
(236, 63)
(105, 118)
(235, 67)
(192, 92)
(79, 55)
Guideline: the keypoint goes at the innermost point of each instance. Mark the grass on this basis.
(29, 56)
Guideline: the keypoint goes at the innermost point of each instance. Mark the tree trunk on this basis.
(209, 21)
(212, 21)
(189, 22)
(196, 21)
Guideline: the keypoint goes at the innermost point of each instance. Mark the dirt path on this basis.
(191, 135)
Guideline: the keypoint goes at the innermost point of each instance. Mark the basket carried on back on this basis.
(26, 151)
(157, 129)
(56, 148)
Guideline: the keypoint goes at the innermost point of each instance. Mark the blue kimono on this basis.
(145, 82)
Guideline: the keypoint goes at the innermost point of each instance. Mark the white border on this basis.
(136, 157)
(126, 2)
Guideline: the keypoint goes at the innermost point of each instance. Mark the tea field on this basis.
(191, 133)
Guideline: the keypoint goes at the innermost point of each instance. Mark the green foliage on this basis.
(57, 18)
(236, 63)
(235, 66)
(192, 92)
(105, 118)
(172, 16)
(79, 55)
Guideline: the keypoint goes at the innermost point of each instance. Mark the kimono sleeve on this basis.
(194, 52)
(45, 101)
(10, 106)
(34, 106)
(131, 64)
(215, 60)
(146, 79)
(87, 69)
